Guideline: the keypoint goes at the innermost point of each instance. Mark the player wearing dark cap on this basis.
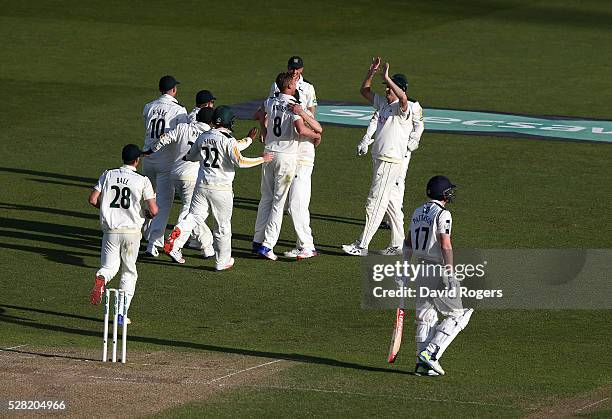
(119, 194)
(203, 99)
(160, 116)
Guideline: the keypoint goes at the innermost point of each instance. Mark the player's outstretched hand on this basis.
(385, 73)
(253, 133)
(267, 157)
(375, 64)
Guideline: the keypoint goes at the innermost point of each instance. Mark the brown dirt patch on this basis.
(593, 401)
(150, 382)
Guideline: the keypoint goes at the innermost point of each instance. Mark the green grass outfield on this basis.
(75, 76)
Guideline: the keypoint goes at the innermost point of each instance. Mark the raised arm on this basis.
(366, 85)
(248, 140)
(401, 95)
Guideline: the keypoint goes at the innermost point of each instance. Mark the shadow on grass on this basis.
(89, 181)
(47, 210)
(65, 257)
(251, 205)
(308, 359)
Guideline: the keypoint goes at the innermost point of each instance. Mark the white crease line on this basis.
(233, 373)
(592, 404)
(322, 390)
(12, 347)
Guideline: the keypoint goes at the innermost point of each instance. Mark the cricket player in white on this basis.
(185, 173)
(304, 90)
(204, 99)
(160, 116)
(118, 195)
(396, 199)
(388, 150)
(218, 153)
(298, 199)
(282, 128)
(429, 240)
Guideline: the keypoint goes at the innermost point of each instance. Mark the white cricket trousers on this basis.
(383, 180)
(299, 201)
(200, 231)
(395, 212)
(159, 175)
(220, 203)
(276, 178)
(120, 250)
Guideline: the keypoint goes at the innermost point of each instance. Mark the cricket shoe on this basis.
(266, 252)
(255, 247)
(226, 266)
(176, 256)
(97, 290)
(292, 253)
(120, 320)
(169, 243)
(422, 369)
(391, 251)
(152, 251)
(427, 358)
(208, 252)
(306, 253)
(355, 249)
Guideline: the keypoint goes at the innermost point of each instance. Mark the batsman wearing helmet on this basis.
(429, 241)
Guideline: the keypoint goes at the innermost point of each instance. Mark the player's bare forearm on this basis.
(401, 95)
(93, 198)
(447, 251)
(307, 117)
(366, 85)
(152, 207)
(408, 248)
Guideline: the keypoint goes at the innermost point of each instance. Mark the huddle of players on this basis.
(196, 155)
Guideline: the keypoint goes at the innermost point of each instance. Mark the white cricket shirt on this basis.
(426, 224)
(392, 131)
(160, 116)
(219, 154)
(184, 135)
(282, 136)
(122, 191)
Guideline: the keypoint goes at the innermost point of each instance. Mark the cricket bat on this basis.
(396, 338)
